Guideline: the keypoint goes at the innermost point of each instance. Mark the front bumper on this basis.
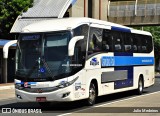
(60, 95)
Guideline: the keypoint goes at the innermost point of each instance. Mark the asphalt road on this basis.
(63, 108)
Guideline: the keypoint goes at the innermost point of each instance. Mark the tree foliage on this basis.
(9, 10)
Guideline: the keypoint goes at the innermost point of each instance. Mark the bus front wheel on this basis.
(92, 95)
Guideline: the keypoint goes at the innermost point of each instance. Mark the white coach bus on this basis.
(81, 58)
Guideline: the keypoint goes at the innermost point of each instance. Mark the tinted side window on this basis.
(82, 31)
(149, 44)
(95, 40)
(142, 43)
(137, 43)
(128, 42)
(118, 41)
(107, 43)
(80, 47)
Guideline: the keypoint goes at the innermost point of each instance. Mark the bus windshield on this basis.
(43, 56)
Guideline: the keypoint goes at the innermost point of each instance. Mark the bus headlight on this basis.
(64, 84)
(18, 86)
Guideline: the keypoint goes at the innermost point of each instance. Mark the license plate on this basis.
(41, 99)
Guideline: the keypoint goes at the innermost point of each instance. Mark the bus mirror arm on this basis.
(72, 44)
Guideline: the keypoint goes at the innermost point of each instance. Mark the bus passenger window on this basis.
(95, 40)
(144, 44)
(117, 46)
(135, 48)
(128, 40)
(118, 41)
(144, 49)
(149, 44)
(127, 48)
(107, 44)
(137, 43)
(80, 47)
(105, 47)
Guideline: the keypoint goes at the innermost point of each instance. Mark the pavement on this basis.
(147, 105)
(6, 86)
(7, 91)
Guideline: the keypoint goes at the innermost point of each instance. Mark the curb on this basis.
(7, 87)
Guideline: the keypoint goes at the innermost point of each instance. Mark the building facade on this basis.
(89, 8)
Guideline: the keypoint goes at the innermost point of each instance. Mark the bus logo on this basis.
(25, 84)
(42, 70)
(94, 62)
(39, 91)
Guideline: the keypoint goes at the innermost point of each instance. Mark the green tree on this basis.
(9, 10)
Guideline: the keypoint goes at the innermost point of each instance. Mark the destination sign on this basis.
(30, 37)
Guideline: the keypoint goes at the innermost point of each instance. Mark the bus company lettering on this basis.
(108, 61)
(147, 60)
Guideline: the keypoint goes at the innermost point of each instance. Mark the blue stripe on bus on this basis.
(108, 61)
(120, 29)
(129, 81)
(29, 83)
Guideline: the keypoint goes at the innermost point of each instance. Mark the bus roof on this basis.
(71, 23)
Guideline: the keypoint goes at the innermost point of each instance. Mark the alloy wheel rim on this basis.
(140, 86)
(92, 94)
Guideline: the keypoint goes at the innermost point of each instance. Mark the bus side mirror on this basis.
(72, 44)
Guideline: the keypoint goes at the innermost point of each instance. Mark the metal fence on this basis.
(134, 8)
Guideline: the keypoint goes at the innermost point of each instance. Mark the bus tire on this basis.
(92, 95)
(139, 91)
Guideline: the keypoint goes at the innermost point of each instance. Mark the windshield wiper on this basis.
(19, 47)
(37, 66)
(21, 56)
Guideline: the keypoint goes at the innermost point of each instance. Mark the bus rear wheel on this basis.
(139, 91)
(92, 95)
